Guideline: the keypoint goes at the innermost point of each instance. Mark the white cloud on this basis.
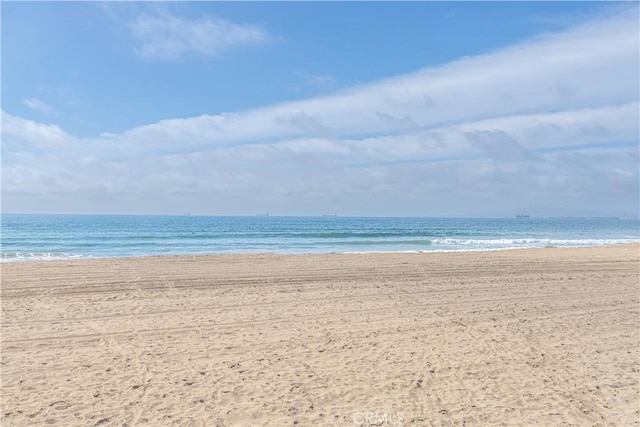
(39, 105)
(26, 135)
(164, 36)
(552, 119)
(590, 65)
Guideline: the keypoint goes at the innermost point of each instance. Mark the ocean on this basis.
(50, 237)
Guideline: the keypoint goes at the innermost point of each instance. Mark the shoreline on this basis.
(519, 337)
(21, 260)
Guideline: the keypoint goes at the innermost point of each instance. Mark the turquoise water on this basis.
(34, 237)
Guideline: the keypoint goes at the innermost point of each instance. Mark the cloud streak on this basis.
(163, 36)
(542, 121)
(39, 105)
(590, 65)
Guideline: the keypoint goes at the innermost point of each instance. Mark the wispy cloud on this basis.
(39, 106)
(318, 83)
(166, 37)
(593, 65)
(550, 119)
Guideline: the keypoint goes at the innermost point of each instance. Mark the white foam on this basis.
(37, 256)
(483, 244)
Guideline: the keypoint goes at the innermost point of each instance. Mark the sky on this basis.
(311, 108)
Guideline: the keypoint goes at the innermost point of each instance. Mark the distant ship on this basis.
(522, 216)
(330, 215)
(263, 214)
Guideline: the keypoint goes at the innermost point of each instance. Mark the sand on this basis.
(523, 337)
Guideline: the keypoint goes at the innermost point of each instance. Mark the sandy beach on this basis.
(522, 337)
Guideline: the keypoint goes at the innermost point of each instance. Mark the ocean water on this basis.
(37, 237)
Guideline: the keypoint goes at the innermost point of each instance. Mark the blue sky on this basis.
(361, 108)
